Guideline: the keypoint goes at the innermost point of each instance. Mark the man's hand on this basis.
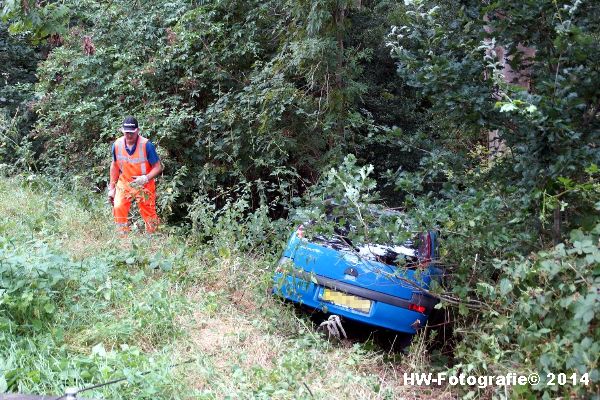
(111, 196)
(139, 180)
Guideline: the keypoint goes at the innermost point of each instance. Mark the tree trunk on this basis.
(339, 70)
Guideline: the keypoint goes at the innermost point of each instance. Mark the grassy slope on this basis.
(195, 305)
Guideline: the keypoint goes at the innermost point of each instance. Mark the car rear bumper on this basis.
(386, 311)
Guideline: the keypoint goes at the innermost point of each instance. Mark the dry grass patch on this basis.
(243, 358)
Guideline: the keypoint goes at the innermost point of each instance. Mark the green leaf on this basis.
(531, 108)
(49, 308)
(588, 315)
(566, 182)
(505, 286)
(166, 266)
(37, 324)
(99, 350)
(592, 169)
(508, 107)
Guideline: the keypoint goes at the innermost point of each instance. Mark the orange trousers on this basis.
(146, 200)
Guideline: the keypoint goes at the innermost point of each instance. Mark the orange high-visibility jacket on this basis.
(132, 165)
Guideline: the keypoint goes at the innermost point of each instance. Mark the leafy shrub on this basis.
(35, 281)
(19, 60)
(230, 91)
(16, 149)
(542, 317)
(239, 224)
(545, 125)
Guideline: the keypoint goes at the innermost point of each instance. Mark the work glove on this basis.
(111, 196)
(139, 180)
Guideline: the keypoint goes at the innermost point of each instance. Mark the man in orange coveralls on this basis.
(134, 166)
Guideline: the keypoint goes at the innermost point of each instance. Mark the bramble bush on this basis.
(239, 224)
(35, 281)
(230, 91)
(543, 317)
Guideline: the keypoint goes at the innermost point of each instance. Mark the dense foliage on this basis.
(480, 119)
(19, 60)
(546, 116)
(231, 91)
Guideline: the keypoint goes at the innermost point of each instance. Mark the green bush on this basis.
(230, 91)
(35, 281)
(238, 224)
(542, 317)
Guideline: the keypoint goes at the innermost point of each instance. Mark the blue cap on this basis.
(130, 124)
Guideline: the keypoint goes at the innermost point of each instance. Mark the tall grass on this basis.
(76, 307)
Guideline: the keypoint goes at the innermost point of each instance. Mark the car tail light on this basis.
(424, 249)
(417, 308)
(300, 232)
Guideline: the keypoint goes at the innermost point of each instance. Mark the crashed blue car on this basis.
(380, 285)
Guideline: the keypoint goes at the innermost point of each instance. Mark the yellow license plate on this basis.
(346, 300)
